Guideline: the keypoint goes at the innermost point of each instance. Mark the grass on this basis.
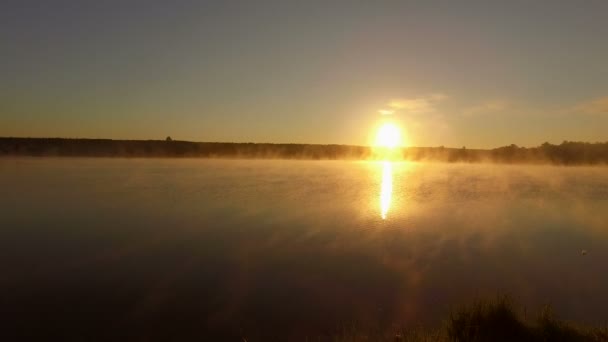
(496, 320)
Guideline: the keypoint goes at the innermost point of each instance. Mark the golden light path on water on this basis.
(387, 147)
(386, 190)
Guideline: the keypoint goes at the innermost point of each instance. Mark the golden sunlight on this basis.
(386, 190)
(389, 135)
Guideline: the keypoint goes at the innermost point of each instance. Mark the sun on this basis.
(389, 135)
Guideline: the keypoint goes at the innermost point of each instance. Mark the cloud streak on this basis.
(598, 106)
(414, 105)
(491, 106)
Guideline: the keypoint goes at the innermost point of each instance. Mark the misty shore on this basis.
(566, 153)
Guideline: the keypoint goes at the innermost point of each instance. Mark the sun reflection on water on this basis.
(386, 190)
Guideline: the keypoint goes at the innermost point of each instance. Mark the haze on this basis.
(484, 74)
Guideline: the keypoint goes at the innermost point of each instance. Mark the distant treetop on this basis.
(566, 153)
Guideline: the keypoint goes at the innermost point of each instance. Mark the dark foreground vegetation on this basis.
(497, 320)
(566, 153)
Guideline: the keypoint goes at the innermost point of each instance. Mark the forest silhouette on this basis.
(566, 153)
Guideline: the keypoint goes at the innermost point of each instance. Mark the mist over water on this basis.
(292, 246)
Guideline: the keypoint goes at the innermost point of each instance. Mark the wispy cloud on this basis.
(490, 106)
(419, 116)
(415, 105)
(598, 106)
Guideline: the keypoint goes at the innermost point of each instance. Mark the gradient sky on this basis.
(474, 73)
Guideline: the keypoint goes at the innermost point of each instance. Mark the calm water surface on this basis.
(92, 247)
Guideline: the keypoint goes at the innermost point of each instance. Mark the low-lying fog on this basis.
(298, 245)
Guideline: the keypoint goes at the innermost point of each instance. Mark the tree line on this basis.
(566, 153)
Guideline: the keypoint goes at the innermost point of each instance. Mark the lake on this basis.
(178, 248)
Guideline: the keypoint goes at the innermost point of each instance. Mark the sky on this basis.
(454, 73)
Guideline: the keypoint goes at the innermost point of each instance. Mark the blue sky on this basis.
(474, 73)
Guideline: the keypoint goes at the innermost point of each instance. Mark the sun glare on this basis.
(388, 135)
(386, 190)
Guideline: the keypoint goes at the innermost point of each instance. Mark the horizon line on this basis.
(286, 143)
